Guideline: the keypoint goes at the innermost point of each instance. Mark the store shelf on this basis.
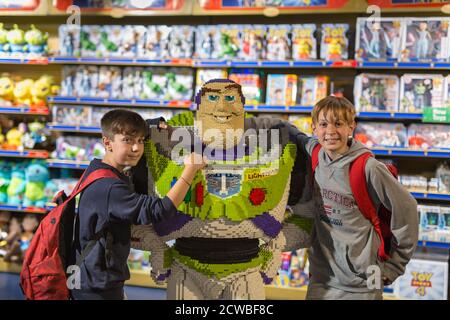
(431, 244)
(6, 207)
(404, 152)
(57, 127)
(403, 65)
(32, 154)
(123, 61)
(431, 196)
(34, 61)
(390, 115)
(25, 110)
(180, 104)
(67, 164)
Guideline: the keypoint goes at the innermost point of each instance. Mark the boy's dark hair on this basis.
(120, 121)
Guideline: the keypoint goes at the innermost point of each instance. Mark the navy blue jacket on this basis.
(112, 205)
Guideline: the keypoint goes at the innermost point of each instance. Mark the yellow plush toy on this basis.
(6, 90)
(42, 88)
(22, 92)
(13, 139)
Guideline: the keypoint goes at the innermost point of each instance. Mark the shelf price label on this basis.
(440, 115)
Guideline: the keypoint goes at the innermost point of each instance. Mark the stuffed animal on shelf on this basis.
(22, 92)
(37, 41)
(17, 43)
(29, 226)
(13, 139)
(5, 217)
(36, 176)
(41, 89)
(4, 45)
(16, 186)
(6, 91)
(10, 246)
(5, 178)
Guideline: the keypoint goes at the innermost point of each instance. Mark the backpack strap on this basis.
(315, 157)
(81, 185)
(358, 185)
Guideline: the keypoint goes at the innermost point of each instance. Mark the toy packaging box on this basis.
(72, 115)
(154, 83)
(418, 91)
(304, 43)
(181, 42)
(423, 280)
(425, 39)
(69, 40)
(373, 134)
(376, 92)
(429, 222)
(207, 42)
(86, 81)
(334, 42)
(157, 42)
(251, 84)
(253, 42)
(69, 74)
(109, 82)
(179, 84)
(204, 75)
(443, 177)
(133, 41)
(312, 89)
(278, 42)
(443, 233)
(132, 82)
(78, 148)
(90, 40)
(111, 41)
(302, 122)
(429, 136)
(378, 40)
(281, 89)
(230, 42)
(447, 92)
(414, 183)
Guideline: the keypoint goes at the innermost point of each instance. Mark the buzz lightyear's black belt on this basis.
(215, 251)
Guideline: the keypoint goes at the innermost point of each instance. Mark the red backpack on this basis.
(381, 218)
(43, 275)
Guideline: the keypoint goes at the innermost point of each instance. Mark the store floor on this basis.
(10, 290)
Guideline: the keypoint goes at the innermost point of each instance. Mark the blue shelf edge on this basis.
(432, 244)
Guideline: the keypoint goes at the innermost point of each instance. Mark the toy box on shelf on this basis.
(302, 122)
(281, 89)
(374, 134)
(418, 91)
(78, 148)
(425, 39)
(204, 75)
(253, 47)
(207, 42)
(294, 270)
(378, 40)
(304, 43)
(129, 82)
(434, 223)
(279, 43)
(312, 89)
(428, 136)
(251, 83)
(376, 92)
(334, 43)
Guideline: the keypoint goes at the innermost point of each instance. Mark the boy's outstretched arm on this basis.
(404, 220)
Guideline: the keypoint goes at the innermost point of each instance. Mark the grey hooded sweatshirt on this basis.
(346, 242)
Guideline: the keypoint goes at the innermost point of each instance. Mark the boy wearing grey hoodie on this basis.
(344, 259)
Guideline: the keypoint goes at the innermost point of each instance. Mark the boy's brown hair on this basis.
(340, 108)
(120, 121)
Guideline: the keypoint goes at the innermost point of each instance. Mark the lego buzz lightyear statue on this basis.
(233, 225)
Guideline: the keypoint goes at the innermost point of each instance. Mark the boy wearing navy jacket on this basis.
(109, 206)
